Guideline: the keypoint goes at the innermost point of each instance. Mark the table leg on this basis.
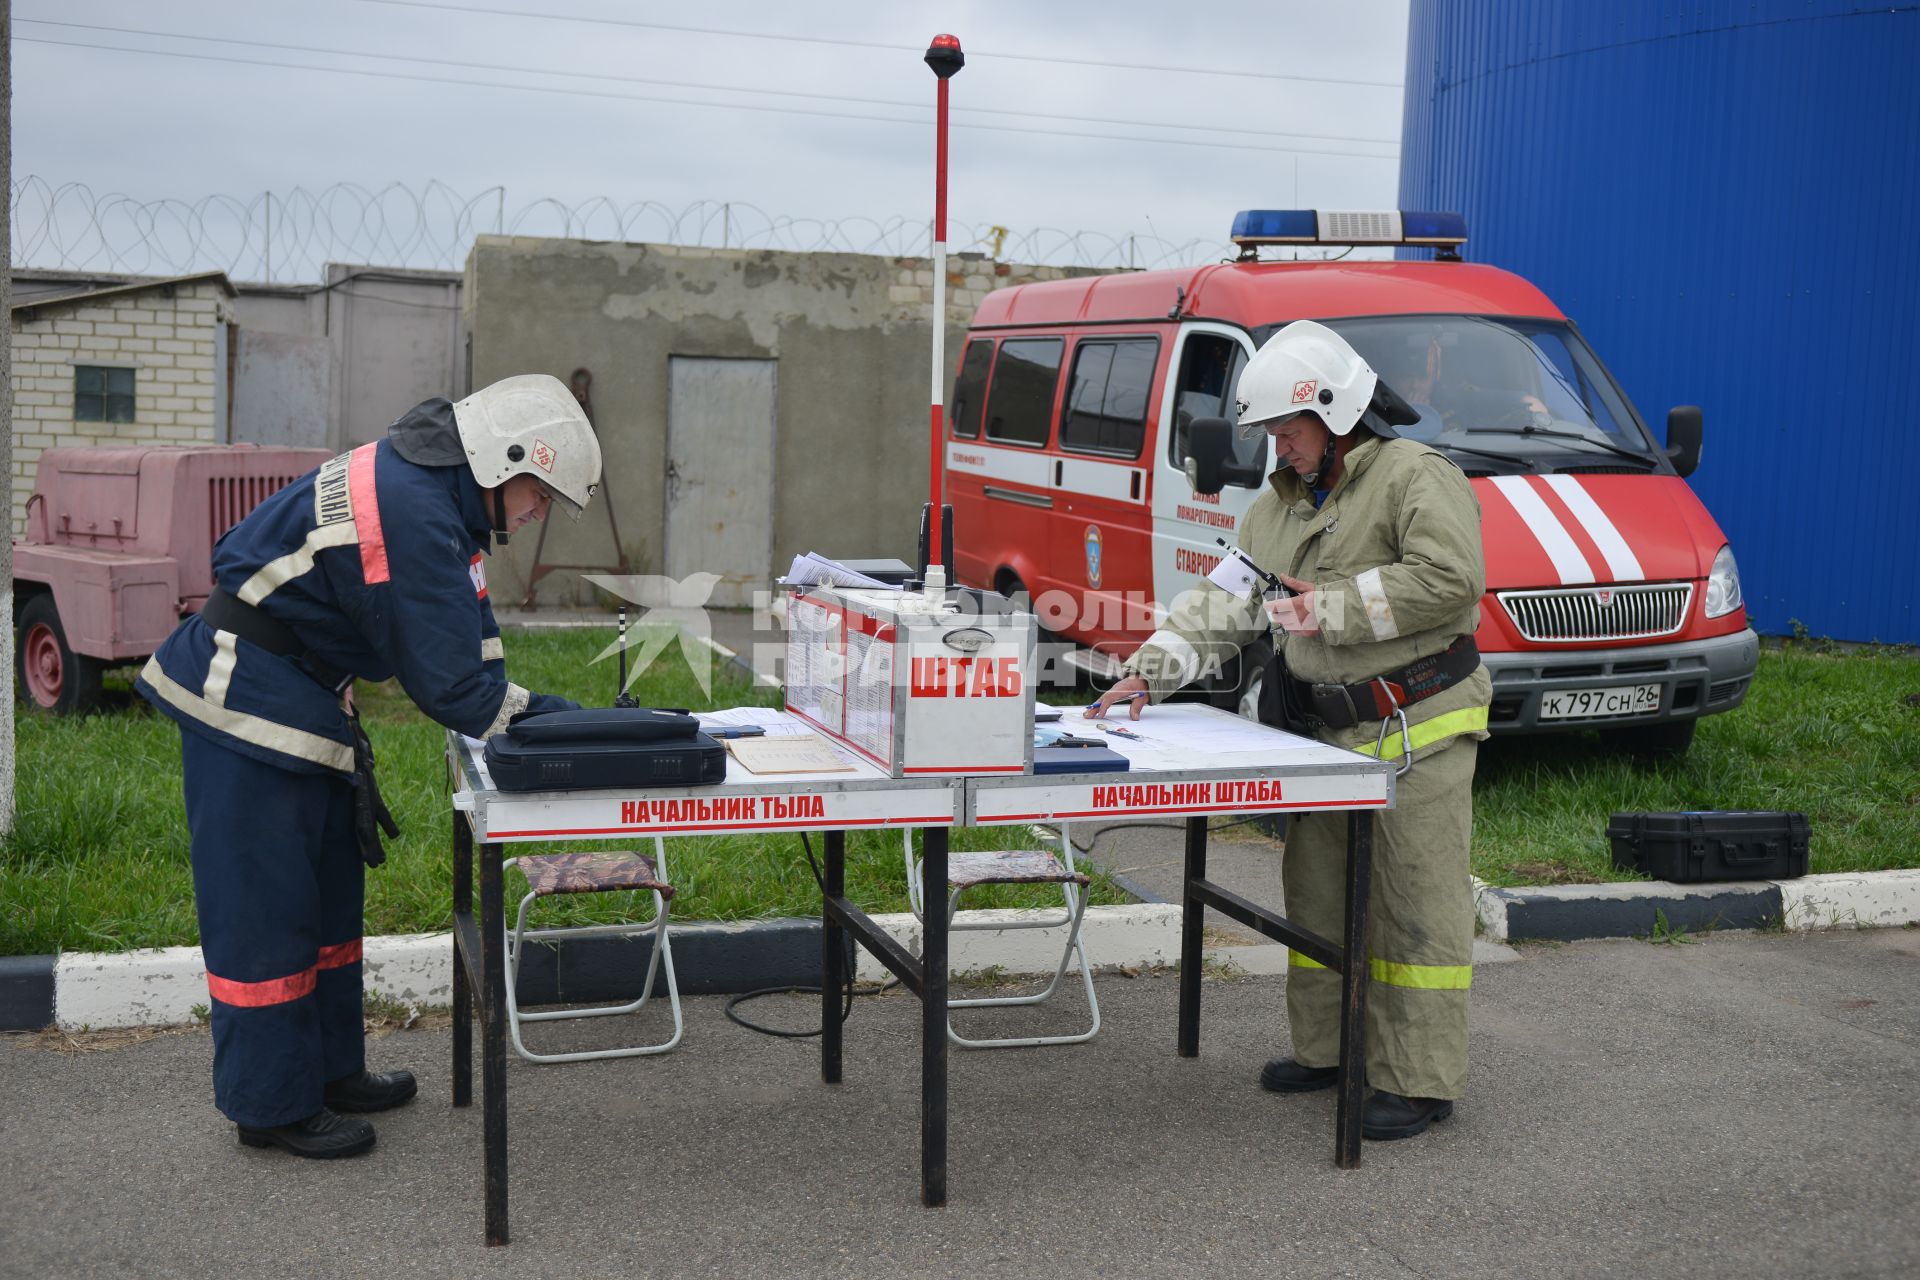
(933, 1021)
(1355, 974)
(1193, 918)
(833, 959)
(493, 1039)
(462, 990)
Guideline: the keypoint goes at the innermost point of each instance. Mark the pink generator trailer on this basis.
(119, 547)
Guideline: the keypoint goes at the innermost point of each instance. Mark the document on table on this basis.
(774, 721)
(1178, 726)
(810, 570)
(789, 754)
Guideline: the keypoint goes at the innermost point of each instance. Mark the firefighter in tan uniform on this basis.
(1379, 537)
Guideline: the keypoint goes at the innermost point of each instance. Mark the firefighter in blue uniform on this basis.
(369, 568)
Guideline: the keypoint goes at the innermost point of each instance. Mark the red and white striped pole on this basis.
(944, 56)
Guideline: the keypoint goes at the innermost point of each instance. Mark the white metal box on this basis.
(916, 687)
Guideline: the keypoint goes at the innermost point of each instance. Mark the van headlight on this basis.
(1723, 585)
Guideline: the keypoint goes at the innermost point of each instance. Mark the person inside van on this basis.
(1379, 539)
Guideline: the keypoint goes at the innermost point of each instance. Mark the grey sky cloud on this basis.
(154, 126)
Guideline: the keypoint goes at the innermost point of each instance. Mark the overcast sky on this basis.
(151, 126)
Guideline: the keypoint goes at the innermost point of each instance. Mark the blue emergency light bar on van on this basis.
(1255, 227)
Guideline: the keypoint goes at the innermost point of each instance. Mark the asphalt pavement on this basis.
(1740, 1106)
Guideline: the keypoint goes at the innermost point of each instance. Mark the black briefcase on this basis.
(598, 748)
(1689, 848)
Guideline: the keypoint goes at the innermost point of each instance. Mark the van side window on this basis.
(970, 390)
(1106, 409)
(1210, 365)
(1020, 398)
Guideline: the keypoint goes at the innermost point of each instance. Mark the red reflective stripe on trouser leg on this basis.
(255, 995)
(340, 955)
(366, 516)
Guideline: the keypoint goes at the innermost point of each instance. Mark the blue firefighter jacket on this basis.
(377, 564)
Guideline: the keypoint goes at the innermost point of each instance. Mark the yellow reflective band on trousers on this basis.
(1419, 977)
(1427, 732)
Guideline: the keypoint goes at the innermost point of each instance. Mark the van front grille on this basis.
(1572, 614)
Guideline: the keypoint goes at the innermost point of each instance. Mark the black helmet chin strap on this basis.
(500, 513)
(1326, 462)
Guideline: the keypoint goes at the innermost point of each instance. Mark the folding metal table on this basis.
(1279, 775)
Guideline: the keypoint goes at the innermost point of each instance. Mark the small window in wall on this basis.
(1020, 399)
(1107, 398)
(1209, 373)
(970, 390)
(102, 394)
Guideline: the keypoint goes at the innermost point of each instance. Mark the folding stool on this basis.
(557, 873)
(1027, 866)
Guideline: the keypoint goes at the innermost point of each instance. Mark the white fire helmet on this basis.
(530, 424)
(1305, 367)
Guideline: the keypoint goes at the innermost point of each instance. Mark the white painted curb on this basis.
(1851, 900)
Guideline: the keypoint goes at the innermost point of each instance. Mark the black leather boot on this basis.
(1284, 1075)
(321, 1136)
(369, 1091)
(1388, 1116)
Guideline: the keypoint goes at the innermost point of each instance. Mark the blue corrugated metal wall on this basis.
(1726, 198)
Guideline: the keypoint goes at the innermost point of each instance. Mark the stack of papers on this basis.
(810, 570)
(810, 753)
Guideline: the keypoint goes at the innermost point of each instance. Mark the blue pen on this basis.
(1131, 697)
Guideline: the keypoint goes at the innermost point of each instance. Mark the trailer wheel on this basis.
(1242, 697)
(52, 676)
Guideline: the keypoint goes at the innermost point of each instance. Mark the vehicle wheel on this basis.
(1243, 698)
(1667, 741)
(52, 676)
(1054, 672)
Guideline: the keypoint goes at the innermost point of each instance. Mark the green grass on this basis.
(1834, 735)
(99, 859)
(99, 856)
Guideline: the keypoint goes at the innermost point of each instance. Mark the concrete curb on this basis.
(168, 986)
(1572, 912)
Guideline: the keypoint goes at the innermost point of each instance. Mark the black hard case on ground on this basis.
(604, 747)
(1689, 848)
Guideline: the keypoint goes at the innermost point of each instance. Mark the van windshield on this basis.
(1497, 387)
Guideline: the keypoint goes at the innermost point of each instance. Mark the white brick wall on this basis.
(167, 342)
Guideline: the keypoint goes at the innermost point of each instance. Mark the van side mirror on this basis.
(1209, 465)
(1683, 438)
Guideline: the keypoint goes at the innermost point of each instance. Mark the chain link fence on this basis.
(290, 237)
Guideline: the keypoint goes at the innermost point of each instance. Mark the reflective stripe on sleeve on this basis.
(220, 671)
(1428, 732)
(340, 955)
(1373, 598)
(491, 650)
(248, 728)
(1179, 650)
(1417, 977)
(510, 706)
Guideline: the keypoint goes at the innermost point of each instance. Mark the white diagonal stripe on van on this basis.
(1017, 466)
(1621, 562)
(1546, 529)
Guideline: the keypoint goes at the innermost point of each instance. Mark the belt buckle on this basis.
(1337, 696)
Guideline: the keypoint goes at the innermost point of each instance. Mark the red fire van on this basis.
(1613, 600)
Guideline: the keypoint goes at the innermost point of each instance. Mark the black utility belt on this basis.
(229, 613)
(1340, 706)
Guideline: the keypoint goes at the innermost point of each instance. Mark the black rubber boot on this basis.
(1388, 1116)
(1284, 1075)
(321, 1136)
(371, 1092)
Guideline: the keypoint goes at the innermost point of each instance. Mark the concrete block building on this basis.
(143, 362)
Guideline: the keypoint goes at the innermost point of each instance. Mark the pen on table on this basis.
(736, 731)
(1126, 697)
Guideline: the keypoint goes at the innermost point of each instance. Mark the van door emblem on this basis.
(1093, 555)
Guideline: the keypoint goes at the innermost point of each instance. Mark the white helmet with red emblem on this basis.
(530, 424)
(1305, 367)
